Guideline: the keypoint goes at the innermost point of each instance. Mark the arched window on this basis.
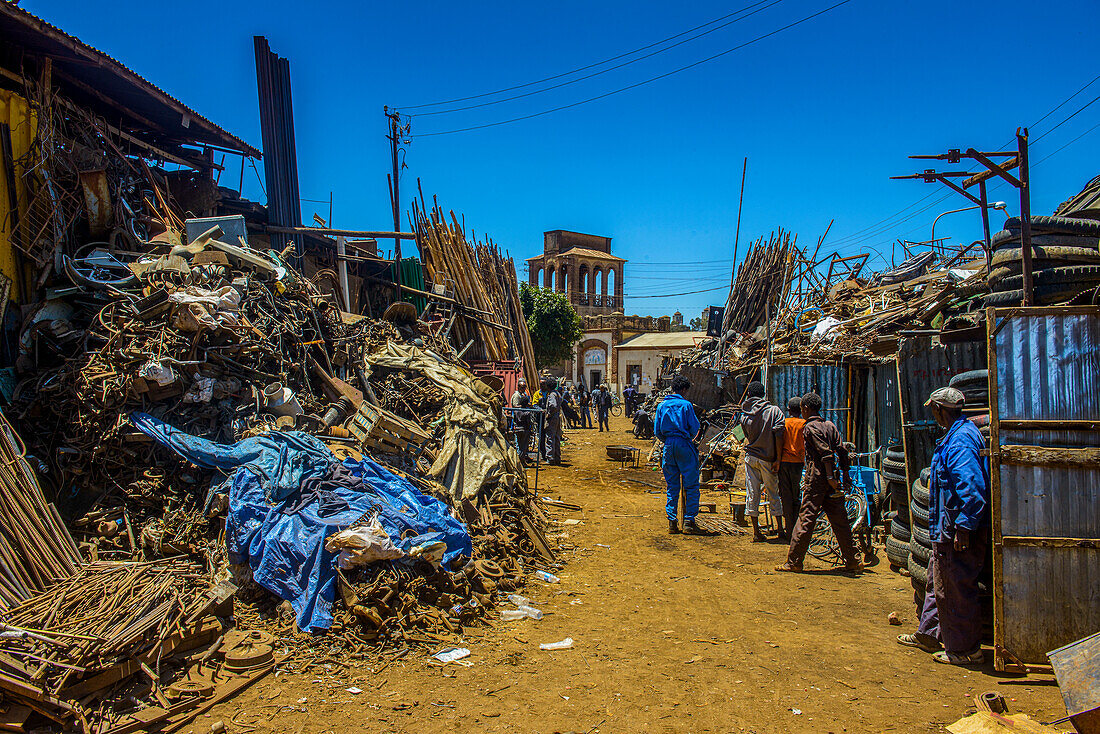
(594, 281)
(563, 279)
(609, 287)
(536, 274)
(583, 275)
(550, 273)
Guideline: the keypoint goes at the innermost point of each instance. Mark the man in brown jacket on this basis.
(827, 464)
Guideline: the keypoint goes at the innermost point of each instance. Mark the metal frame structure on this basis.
(1013, 160)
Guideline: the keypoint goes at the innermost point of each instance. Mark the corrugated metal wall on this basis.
(923, 366)
(830, 381)
(1048, 368)
(888, 411)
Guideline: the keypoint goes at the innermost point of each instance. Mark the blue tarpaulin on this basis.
(288, 493)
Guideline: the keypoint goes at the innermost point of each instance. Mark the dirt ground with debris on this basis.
(671, 634)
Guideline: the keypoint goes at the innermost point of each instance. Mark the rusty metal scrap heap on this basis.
(224, 342)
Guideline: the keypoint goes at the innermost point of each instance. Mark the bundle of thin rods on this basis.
(485, 284)
(35, 547)
(762, 283)
(103, 614)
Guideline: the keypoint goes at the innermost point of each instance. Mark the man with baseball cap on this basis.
(958, 524)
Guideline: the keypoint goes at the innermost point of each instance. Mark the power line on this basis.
(641, 83)
(1080, 109)
(583, 68)
(602, 71)
(686, 293)
(1066, 101)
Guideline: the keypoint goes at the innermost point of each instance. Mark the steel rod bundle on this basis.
(36, 548)
(762, 283)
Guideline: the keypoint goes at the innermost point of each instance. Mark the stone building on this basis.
(582, 267)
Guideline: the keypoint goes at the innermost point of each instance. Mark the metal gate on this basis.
(1045, 473)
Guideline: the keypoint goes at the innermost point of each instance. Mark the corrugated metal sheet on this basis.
(1051, 598)
(888, 411)
(924, 365)
(1048, 368)
(108, 76)
(830, 381)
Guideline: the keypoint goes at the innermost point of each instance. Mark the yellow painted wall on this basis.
(14, 111)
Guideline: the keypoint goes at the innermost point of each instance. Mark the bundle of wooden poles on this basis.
(36, 549)
(762, 283)
(485, 285)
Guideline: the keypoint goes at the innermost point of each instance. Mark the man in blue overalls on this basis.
(958, 524)
(676, 425)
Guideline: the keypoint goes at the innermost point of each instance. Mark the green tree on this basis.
(554, 325)
(697, 324)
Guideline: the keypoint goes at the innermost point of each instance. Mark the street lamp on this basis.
(993, 205)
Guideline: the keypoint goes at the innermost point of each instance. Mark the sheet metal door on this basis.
(1045, 472)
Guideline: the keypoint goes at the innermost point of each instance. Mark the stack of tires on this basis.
(920, 543)
(897, 495)
(1065, 261)
(975, 388)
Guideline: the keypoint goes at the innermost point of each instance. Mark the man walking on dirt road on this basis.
(764, 428)
(677, 426)
(827, 463)
(958, 524)
(601, 399)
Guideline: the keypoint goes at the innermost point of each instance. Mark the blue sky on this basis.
(825, 111)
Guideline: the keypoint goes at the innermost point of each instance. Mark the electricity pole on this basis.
(397, 131)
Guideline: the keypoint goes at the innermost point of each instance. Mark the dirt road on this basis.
(671, 634)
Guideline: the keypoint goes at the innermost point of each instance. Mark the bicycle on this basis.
(616, 408)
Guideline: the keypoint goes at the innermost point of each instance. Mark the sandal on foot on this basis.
(919, 641)
(966, 658)
(788, 568)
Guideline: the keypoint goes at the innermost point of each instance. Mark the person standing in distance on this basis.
(677, 426)
(521, 421)
(602, 400)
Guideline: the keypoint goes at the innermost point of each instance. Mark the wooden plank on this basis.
(1032, 542)
(995, 494)
(1048, 456)
(1051, 425)
(1001, 313)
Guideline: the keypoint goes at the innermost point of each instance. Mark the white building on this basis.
(638, 359)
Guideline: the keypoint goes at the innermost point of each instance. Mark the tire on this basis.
(1045, 295)
(1079, 276)
(1053, 253)
(899, 500)
(921, 494)
(896, 454)
(1008, 239)
(918, 572)
(920, 518)
(900, 533)
(974, 386)
(919, 553)
(893, 471)
(616, 410)
(925, 475)
(921, 538)
(897, 552)
(1065, 225)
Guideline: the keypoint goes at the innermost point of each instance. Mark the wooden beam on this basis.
(341, 232)
(1050, 425)
(1046, 456)
(1033, 542)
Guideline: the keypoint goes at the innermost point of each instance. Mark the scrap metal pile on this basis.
(209, 438)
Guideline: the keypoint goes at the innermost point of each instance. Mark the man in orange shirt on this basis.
(789, 467)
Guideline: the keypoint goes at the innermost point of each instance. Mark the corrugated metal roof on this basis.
(663, 340)
(103, 82)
